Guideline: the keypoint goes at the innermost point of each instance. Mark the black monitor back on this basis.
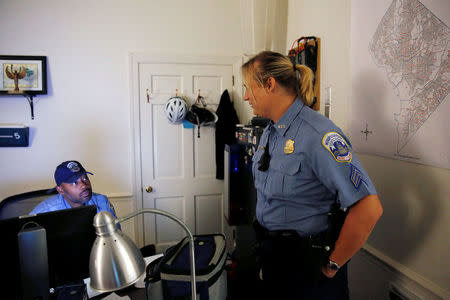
(70, 236)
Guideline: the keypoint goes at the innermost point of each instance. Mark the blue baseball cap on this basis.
(69, 172)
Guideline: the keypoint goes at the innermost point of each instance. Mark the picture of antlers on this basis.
(16, 75)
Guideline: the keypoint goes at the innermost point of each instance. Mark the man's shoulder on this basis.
(49, 204)
(51, 201)
(98, 198)
(102, 203)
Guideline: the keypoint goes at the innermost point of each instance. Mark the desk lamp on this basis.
(115, 261)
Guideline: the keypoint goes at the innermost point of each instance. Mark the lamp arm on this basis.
(182, 224)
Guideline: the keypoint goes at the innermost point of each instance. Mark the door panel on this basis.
(168, 149)
(205, 153)
(165, 84)
(179, 166)
(208, 85)
(166, 229)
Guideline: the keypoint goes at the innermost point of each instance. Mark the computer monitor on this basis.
(70, 236)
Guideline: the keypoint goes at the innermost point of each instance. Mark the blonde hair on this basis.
(296, 79)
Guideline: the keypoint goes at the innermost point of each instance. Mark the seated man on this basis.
(74, 189)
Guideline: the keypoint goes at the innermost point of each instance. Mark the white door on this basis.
(178, 166)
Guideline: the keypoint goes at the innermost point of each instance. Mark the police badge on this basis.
(289, 146)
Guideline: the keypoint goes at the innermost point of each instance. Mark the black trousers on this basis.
(291, 269)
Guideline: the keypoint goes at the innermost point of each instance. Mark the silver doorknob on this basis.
(149, 189)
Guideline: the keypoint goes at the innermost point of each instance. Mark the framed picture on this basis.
(23, 74)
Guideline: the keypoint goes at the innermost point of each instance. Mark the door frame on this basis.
(135, 60)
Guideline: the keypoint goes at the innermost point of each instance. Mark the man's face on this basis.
(76, 193)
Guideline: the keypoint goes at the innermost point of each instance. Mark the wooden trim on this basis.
(120, 196)
(135, 59)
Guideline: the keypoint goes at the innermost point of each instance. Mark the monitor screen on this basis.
(70, 236)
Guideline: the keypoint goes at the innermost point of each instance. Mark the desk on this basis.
(131, 293)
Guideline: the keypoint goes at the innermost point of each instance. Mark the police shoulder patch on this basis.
(337, 146)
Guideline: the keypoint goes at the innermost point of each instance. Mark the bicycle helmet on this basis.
(176, 109)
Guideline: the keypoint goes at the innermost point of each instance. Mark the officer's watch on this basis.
(333, 265)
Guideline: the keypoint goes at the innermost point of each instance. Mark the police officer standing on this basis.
(304, 169)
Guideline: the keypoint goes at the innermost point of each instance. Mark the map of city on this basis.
(412, 45)
(400, 80)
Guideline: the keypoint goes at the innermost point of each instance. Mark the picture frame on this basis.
(21, 74)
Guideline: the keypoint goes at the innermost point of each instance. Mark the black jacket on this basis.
(225, 129)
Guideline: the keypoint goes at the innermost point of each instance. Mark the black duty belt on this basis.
(281, 233)
(264, 233)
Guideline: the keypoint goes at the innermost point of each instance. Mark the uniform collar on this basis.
(66, 204)
(64, 201)
(288, 117)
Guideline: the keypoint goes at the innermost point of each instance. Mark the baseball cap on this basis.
(69, 172)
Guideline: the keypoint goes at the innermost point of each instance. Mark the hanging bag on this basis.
(199, 115)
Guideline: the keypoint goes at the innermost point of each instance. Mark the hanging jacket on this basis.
(225, 129)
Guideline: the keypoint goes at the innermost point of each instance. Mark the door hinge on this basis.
(232, 79)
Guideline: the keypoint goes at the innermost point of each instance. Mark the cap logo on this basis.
(73, 166)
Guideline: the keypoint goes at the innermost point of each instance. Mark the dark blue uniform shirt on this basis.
(311, 162)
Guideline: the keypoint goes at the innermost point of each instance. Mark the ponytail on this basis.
(306, 90)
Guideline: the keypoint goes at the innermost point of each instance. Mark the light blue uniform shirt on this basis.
(57, 202)
(311, 161)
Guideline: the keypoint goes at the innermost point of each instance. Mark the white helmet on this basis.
(176, 109)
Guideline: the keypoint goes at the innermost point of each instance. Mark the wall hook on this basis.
(200, 99)
(30, 101)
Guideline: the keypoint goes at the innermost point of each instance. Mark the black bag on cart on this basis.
(175, 272)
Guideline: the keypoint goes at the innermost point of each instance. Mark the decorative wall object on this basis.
(23, 75)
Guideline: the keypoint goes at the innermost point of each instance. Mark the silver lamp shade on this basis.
(115, 261)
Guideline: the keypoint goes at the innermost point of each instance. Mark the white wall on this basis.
(86, 114)
(412, 234)
(328, 20)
